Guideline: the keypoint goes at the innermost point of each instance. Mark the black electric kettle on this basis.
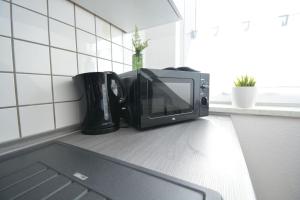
(103, 93)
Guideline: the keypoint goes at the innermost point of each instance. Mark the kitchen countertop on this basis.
(205, 151)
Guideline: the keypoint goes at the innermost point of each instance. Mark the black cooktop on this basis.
(58, 171)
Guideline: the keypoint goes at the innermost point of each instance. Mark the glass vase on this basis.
(137, 61)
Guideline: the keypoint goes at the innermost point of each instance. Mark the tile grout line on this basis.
(92, 13)
(63, 49)
(123, 53)
(51, 71)
(60, 48)
(32, 73)
(75, 24)
(14, 70)
(111, 48)
(39, 104)
(24, 40)
(96, 43)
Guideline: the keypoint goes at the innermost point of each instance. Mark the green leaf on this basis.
(245, 81)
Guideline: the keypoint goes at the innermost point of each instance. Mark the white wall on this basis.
(161, 51)
(271, 146)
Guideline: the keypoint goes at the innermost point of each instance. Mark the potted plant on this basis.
(244, 92)
(139, 46)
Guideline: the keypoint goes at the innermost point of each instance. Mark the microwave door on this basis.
(170, 96)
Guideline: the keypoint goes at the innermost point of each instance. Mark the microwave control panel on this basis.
(204, 95)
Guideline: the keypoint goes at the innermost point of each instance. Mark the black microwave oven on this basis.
(160, 97)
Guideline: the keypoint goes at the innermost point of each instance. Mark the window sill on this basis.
(257, 110)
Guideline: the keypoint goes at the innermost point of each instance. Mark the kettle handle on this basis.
(120, 85)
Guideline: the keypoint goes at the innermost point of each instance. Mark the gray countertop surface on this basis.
(205, 152)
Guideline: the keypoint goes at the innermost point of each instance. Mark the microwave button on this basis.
(204, 101)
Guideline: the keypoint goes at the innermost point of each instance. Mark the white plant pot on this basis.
(244, 97)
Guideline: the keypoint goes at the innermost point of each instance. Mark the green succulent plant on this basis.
(137, 42)
(245, 81)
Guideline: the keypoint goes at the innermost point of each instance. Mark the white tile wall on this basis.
(118, 68)
(36, 5)
(116, 35)
(62, 35)
(29, 25)
(117, 53)
(63, 62)
(104, 65)
(86, 43)
(64, 89)
(5, 18)
(45, 63)
(34, 89)
(67, 114)
(36, 119)
(7, 90)
(86, 63)
(9, 124)
(103, 48)
(62, 10)
(127, 68)
(103, 29)
(6, 63)
(128, 56)
(31, 58)
(85, 20)
(127, 40)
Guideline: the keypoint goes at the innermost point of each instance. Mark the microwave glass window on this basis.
(170, 96)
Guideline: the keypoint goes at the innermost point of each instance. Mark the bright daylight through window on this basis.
(260, 38)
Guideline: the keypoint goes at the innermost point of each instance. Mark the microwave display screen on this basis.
(167, 96)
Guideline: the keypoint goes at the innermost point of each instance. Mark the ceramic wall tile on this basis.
(86, 43)
(103, 29)
(127, 68)
(9, 124)
(116, 35)
(118, 68)
(127, 40)
(5, 19)
(7, 90)
(128, 56)
(63, 62)
(86, 63)
(103, 48)
(62, 35)
(36, 5)
(64, 89)
(62, 10)
(30, 26)
(36, 119)
(104, 65)
(67, 114)
(85, 20)
(34, 89)
(6, 62)
(117, 53)
(32, 58)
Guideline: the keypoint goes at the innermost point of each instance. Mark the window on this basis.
(258, 38)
